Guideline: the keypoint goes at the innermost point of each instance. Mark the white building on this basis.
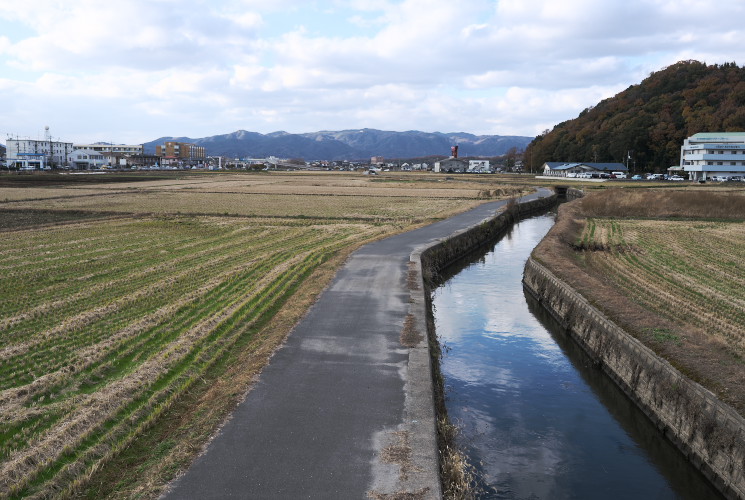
(35, 154)
(105, 147)
(478, 165)
(86, 159)
(708, 154)
(567, 169)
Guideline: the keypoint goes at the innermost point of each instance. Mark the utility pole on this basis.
(628, 160)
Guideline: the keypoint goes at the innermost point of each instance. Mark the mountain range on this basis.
(359, 144)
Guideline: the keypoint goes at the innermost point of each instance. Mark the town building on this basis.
(138, 161)
(87, 159)
(105, 147)
(478, 165)
(180, 153)
(34, 154)
(451, 165)
(567, 169)
(713, 154)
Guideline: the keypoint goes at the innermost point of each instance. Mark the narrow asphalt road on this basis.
(331, 404)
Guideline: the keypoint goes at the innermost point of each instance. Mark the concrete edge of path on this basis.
(423, 477)
(420, 413)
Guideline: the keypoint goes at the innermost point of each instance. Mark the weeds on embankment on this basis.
(665, 203)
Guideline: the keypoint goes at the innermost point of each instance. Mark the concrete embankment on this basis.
(710, 433)
(436, 257)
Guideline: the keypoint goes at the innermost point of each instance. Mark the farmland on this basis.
(668, 267)
(133, 315)
(689, 272)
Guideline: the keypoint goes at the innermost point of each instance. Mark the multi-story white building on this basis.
(35, 154)
(105, 147)
(709, 154)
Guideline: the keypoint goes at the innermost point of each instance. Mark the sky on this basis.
(131, 71)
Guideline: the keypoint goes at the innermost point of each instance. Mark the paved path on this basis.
(334, 396)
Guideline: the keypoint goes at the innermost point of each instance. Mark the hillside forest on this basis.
(649, 121)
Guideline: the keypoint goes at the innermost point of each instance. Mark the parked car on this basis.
(676, 178)
(637, 177)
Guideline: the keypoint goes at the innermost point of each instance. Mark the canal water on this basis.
(537, 420)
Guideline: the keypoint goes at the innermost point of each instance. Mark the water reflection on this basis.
(537, 419)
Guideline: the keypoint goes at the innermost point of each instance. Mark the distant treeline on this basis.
(650, 120)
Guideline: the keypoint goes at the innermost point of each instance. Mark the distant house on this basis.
(563, 169)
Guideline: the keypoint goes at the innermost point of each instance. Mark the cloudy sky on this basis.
(134, 70)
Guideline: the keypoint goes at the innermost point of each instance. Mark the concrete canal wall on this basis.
(710, 433)
(440, 255)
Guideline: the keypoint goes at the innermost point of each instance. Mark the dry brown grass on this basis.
(289, 194)
(656, 279)
(458, 475)
(410, 336)
(697, 204)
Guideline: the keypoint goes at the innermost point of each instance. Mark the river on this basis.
(537, 420)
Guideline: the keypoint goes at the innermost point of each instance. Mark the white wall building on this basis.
(478, 165)
(86, 159)
(105, 147)
(710, 154)
(36, 154)
(566, 169)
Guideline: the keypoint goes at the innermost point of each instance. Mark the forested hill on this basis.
(650, 119)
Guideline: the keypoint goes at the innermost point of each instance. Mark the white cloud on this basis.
(482, 66)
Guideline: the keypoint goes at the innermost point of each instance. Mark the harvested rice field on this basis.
(681, 270)
(134, 315)
(667, 266)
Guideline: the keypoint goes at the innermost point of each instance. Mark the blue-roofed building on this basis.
(568, 169)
